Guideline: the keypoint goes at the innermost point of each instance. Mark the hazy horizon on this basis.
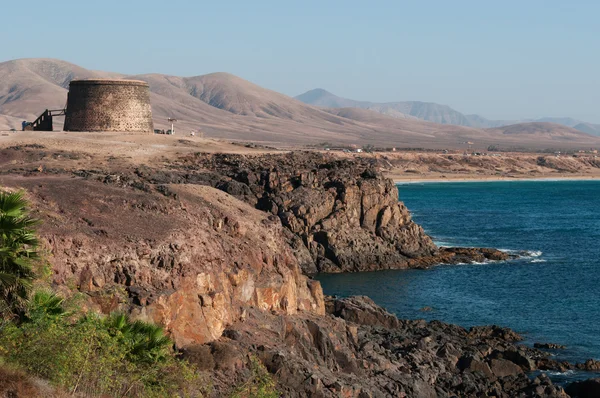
(501, 61)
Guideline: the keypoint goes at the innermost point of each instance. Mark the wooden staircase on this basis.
(44, 122)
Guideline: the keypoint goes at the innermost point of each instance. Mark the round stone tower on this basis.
(109, 105)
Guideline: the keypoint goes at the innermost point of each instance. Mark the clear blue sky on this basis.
(501, 59)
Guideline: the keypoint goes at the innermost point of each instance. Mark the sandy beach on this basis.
(476, 178)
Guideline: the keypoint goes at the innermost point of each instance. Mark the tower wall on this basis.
(109, 105)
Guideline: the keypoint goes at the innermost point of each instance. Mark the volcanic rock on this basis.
(584, 389)
(549, 346)
(193, 264)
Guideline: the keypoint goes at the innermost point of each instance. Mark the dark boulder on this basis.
(361, 310)
(549, 346)
(584, 389)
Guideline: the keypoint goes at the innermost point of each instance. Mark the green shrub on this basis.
(146, 342)
(91, 357)
(45, 304)
(87, 355)
(259, 385)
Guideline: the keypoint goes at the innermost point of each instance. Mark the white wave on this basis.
(537, 260)
(523, 253)
(557, 373)
(472, 263)
(442, 243)
(511, 251)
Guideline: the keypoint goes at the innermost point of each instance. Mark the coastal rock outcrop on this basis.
(193, 265)
(361, 350)
(340, 215)
(224, 271)
(344, 215)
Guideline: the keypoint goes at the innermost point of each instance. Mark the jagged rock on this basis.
(493, 331)
(503, 368)
(361, 310)
(345, 212)
(193, 264)
(472, 365)
(549, 346)
(589, 365)
(325, 356)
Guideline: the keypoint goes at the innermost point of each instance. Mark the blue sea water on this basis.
(550, 295)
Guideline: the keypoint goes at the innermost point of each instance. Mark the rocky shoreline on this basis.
(360, 350)
(220, 248)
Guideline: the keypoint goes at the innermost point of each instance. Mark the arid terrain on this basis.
(104, 149)
(419, 166)
(216, 242)
(221, 105)
(433, 112)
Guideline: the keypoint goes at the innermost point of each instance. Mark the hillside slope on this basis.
(428, 111)
(432, 112)
(28, 86)
(541, 129)
(228, 107)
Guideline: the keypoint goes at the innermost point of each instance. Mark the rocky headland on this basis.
(219, 249)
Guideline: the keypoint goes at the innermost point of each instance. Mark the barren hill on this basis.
(432, 112)
(28, 86)
(541, 129)
(225, 106)
(589, 128)
(325, 99)
(236, 95)
(428, 111)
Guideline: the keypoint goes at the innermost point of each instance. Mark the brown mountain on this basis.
(28, 86)
(431, 112)
(541, 130)
(226, 106)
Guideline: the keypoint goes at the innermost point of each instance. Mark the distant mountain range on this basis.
(432, 112)
(225, 106)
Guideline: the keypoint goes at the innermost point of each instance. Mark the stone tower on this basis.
(109, 105)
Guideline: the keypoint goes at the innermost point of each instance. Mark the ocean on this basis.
(551, 294)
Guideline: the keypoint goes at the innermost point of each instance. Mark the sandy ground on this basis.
(137, 147)
(114, 149)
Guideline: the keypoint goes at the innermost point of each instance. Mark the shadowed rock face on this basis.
(585, 389)
(339, 215)
(344, 215)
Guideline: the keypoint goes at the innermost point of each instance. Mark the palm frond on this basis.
(18, 244)
(12, 204)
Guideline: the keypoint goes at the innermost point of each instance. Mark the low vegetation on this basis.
(259, 385)
(98, 356)
(46, 337)
(81, 353)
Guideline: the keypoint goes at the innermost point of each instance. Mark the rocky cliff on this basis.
(343, 215)
(226, 279)
(346, 214)
(194, 264)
